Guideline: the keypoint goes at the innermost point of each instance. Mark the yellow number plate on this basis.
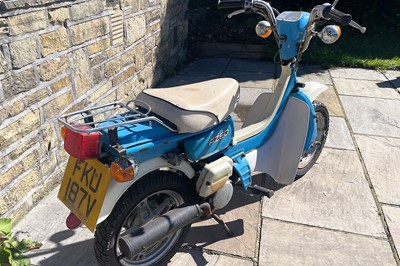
(83, 189)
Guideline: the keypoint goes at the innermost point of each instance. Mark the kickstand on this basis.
(223, 224)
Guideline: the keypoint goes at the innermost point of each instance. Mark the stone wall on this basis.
(58, 56)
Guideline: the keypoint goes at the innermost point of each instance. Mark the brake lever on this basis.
(237, 12)
(357, 26)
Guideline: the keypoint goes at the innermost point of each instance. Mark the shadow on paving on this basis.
(205, 235)
(388, 84)
(77, 253)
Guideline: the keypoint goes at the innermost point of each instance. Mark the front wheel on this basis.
(309, 159)
(146, 200)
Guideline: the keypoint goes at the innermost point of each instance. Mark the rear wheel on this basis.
(308, 159)
(146, 200)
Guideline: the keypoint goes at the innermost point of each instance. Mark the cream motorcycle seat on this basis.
(193, 107)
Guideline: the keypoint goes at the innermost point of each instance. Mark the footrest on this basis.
(262, 191)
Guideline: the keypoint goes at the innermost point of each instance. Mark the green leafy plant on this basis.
(11, 249)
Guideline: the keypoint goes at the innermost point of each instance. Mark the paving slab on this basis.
(249, 95)
(373, 116)
(381, 157)
(242, 216)
(187, 256)
(252, 66)
(292, 244)
(357, 73)
(314, 73)
(392, 216)
(339, 135)
(179, 80)
(209, 67)
(331, 100)
(246, 100)
(252, 79)
(238, 117)
(46, 224)
(366, 88)
(334, 194)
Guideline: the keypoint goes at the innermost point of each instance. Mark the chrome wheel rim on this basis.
(146, 210)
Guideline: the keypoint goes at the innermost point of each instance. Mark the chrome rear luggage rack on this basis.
(109, 117)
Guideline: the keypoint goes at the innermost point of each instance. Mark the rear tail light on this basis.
(82, 146)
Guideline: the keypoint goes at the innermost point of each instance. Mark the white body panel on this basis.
(280, 155)
(116, 190)
(313, 89)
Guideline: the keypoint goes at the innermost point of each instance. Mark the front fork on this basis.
(312, 131)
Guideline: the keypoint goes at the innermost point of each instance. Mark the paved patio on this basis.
(345, 211)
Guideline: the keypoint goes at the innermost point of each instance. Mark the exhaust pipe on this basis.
(135, 240)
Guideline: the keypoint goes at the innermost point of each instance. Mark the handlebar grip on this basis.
(340, 17)
(230, 4)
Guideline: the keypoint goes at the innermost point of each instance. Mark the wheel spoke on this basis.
(164, 206)
(144, 212)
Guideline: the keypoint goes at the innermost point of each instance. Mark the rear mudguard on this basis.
(116, 190)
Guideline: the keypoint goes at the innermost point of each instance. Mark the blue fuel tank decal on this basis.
(209, 142)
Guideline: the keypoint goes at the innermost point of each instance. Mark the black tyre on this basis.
(309, 159)
(147, 199)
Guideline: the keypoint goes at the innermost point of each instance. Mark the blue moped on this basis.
(140, 173)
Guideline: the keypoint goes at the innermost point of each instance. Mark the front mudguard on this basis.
(116, 190)
(312, 89)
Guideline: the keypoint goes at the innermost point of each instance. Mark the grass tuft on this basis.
(372, 50)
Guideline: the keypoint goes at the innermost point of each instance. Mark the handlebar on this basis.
(357, 26)
(325, 11)
(330, 12)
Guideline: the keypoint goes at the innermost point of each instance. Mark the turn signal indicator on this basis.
(123, 169)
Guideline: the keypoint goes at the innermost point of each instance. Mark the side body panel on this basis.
(279, 156)
(210, 142)
(309, 93)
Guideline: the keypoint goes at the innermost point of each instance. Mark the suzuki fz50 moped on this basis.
(141, 173)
